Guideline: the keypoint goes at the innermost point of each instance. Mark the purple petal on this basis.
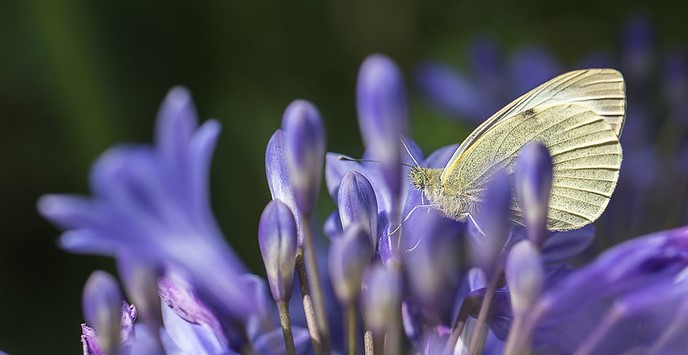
(272, 342)
(488, 65)
(450, 92)
(89, 341)
(493, 218)
(383, 115)
(201, 148)
(179, 298)
(189, 337)
(439, 158)
(278, 174)
(432, 264)
(333, 226)
(633, 275)
(637, 47)
(675, 77)
(175, 125)
(533, 180)
(531, 67)
(563, 245)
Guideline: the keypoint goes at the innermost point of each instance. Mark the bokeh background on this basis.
(77, 76)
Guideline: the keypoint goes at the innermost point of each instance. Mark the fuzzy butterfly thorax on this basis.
(428, 181)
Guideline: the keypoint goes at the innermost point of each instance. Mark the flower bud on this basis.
(493, 219)
(381, 297)
(524, 275)
(533, 180)
(433, 266)
(305, 152)
(357, 204)
(102, 303)
(383, 115)
(349, 257)
(277, 238)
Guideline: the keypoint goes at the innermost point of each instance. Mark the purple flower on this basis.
(151, 205)
(631, 297)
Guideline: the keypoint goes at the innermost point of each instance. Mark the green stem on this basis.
(350, 311)
(480, 333)
(307, 300)
(466, 307)
(314, 280)
(520, 335)
(285, 322)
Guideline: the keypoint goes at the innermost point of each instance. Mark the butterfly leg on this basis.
(475, 223)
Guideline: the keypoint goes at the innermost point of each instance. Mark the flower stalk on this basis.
(308, 306)
(285, 323)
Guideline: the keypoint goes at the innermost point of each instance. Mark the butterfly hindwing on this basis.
(586, 156)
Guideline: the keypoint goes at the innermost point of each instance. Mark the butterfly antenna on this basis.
(345, 158)
(409, 152)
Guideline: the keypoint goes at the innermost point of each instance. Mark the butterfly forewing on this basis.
(586, 156)
(601, 91)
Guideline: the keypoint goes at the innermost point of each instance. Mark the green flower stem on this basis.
(307, 300)
(285, 322)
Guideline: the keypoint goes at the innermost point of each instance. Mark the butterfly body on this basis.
(455, 204)
(577, 116)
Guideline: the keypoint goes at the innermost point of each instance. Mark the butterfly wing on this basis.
(602, 91)
(586, 156)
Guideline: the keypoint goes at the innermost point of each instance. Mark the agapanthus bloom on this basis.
(397, 267)
(151, 211)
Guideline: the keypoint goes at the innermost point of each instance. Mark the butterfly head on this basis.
(423, 179)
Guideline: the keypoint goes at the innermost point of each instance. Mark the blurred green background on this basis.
(77, 76)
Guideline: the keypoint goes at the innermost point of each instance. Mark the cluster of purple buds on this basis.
(401, 277)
